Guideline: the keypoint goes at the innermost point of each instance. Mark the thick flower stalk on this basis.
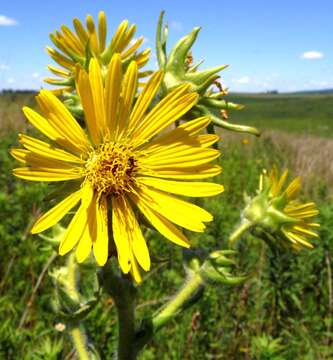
(277, 215)
(179, 69)
(122, 164)
(79, 46)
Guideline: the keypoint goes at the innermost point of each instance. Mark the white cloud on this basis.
(10, 81)
(4, 67)
(311, 55)
(7, 21)
(242, 80)
(35, 75)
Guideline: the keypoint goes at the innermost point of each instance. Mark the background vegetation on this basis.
(285, 310)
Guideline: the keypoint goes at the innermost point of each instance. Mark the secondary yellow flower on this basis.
(300, 228)
(123, 163)
(77, 47)
(279, 213)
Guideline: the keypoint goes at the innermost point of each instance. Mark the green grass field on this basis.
(284, 311)
(305, 113)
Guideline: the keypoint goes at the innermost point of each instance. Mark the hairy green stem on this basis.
(178, 302)
(80, 342)
(77, 331)
(239, 231)
(185, 297)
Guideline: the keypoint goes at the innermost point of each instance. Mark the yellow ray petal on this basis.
(180, 212)
(192, 189)
(132, 49)
(116, 42)
(46, 150)
(189, 157)
(60, 59)
(97, 91)
(102, 28)
(293, 188)
(200, 172)
(93, 42)
(168, 110)
(112, 92)
(182, 134)
(120, 234)
(46, 174)
(162, 225)
(101, 244)
(84, 90)
(156, 121)
(62, 120)
(77, 226)
(83, 248)
(80, 31)
(298, 239)
(138, 243)
(129, 87)
(54, 215)
(135, 271)
(145, 98)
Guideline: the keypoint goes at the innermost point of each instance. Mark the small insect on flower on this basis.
(121, 165)
(79, 46)
(276, 210)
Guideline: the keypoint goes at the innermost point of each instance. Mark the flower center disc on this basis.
(111, 169)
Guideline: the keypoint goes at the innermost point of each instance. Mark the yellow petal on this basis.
(46, 174)
(188, 157)
(62, 120)
(138, 243)
(129, 87)
(102, 30)
(162, 225)
(200, 172)
(120, 234)
(46, 150)
(77, 226)
(54, 215)
(112, 92)
(101, 243)
(135, 271)
(145, 98)
(168, 110)
(97, 91)
(80, 31)
(83, 248)
(192, 189)
(182, 134)
(85, 93)
(180, 212)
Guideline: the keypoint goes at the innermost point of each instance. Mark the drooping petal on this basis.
(180, 212)
(161, 224)
(101, 244)
(138, 243)
(78, 224)
(54, 215)
(120, 234)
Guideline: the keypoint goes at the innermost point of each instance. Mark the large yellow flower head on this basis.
(279, 213)
(122, 165)
(78, 46)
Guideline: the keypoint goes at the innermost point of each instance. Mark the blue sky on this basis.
(284, 45)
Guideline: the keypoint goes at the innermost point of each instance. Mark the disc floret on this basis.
(111, 169)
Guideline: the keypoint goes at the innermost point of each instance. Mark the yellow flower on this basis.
(79, 46)
(301, 227)
(123, 163)
(277, 211)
